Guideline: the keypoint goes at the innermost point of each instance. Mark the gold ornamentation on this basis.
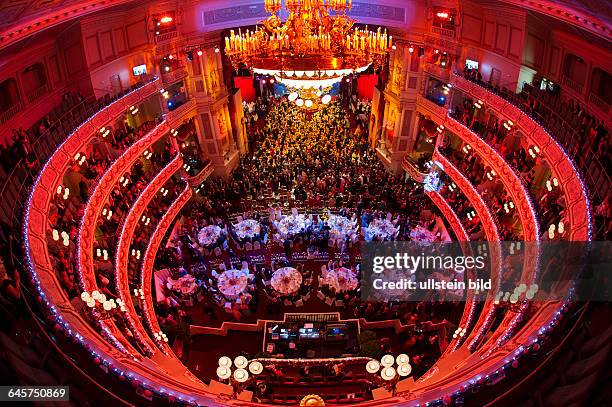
(312, 400)
(312, 47)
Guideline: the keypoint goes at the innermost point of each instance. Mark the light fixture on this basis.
(299, 102)
(318, 40)
(388, 373)
(373, 366)
(241, 375)
(308, 103)
(224, 372)
(241, 362)
(326, 99)
(387, 360)
(404, 370)
(255, 367)
(402, 359)
(225, 361)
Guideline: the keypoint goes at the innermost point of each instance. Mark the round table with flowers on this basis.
(341, 226)
(209, 235)
(341, 279)
(186, 285)
(292, 225)
(286, 280)
(423, 235)
(380, 229)
(247, 229)
(232, 283)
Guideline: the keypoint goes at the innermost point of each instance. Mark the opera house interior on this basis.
(306, 202)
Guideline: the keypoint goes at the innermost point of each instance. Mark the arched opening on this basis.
(34, 81)
(601, 85)
(575, 71)
(9, 95)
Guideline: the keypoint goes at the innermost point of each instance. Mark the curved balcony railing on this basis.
(560, 163)
(450, 215)
(125, 240)
(93, 208)
(146, 273)
(511, 181)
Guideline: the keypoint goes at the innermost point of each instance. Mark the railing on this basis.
(447, 32)
(168, 78)
(560, 163)
(437, 71)
(600, 103)
(165, 36)
(572, 84)
(175, 117)
(125, 240)
(18, 180)
(11, 112)
(38, 93)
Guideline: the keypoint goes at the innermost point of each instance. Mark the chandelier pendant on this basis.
(314, 48)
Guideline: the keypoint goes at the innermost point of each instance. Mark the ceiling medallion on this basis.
(314, 48)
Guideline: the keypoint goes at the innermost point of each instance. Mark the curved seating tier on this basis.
(161, 372)
(127, 232)
(146, 273)
(561, 165)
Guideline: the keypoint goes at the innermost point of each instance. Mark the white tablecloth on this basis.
(286, 280)
(232, 283)
(341, 279)
(185, 285)
(292, 225)
(420, 234)
(341, 226)
(247, 229)
(382, 229)
(209, 235)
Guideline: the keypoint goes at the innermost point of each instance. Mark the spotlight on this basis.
(200, 53)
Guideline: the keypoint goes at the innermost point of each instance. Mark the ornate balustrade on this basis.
(146, 273)
(11, 112)
(125, 240)
(112, 354)
(512, 183)
(176, 117)
(168, 78)
(93, 208)
(561, 165)
(450, 215)
(36, 221)
(202, 175)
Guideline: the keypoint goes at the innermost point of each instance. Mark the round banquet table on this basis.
(286, 280)
(341, 279)
(292, 225)
(232, 283)
(421, 234)
(209, 235)
(185, 285)
(247, 229)
(341, 225)
(382, 229)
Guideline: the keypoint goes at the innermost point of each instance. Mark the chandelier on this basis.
(314, 48)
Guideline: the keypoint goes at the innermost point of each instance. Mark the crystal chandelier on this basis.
(314, 48)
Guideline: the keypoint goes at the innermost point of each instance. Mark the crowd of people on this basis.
(549, 203)
(584, 136)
